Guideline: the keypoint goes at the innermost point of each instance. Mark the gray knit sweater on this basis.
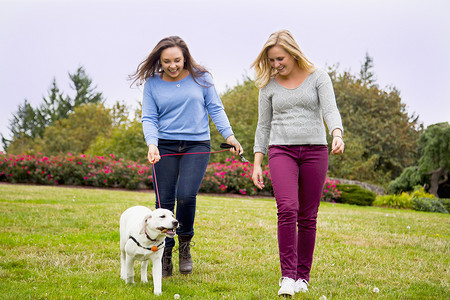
(296, 116)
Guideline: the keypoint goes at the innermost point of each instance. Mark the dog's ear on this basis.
(144, 223)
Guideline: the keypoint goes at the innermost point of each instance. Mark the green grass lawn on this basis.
(58, 242)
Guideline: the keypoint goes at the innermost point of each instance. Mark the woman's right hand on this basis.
(153, 154)
(257, 177)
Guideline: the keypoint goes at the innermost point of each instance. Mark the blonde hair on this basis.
(283, 38)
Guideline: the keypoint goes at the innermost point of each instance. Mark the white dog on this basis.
(142, 234)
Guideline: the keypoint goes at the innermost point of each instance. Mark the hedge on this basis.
(232, 176)
(354, 194)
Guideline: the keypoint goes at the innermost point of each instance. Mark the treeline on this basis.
(79, 124)
(382, 139)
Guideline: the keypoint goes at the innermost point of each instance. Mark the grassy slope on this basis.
(58, 242)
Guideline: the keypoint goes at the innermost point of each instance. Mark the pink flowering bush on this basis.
(233, 176)
(84, 170)
(330, 192)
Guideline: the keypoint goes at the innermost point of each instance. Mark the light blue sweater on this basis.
(179, 110)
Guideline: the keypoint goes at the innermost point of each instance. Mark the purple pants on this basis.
(298, 175)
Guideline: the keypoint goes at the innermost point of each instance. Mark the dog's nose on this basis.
(175, 223)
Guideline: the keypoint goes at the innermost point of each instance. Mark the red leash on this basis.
(172, 154)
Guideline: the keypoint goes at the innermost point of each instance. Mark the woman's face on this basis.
(172, 62)
(281, 60)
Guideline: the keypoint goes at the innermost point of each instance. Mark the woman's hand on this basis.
(337, 146)
(257, 175)
(237, 150)
(153, 154)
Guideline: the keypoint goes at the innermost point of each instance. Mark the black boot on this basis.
(185, 254)
(167, 265)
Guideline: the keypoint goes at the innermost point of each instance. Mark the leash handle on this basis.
(228, 146)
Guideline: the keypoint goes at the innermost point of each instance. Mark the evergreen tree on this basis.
(24, 121)
(30, 123)
(55, 107)
(366, 75)
(22, 125)
(435, 159)
(433, 166)
(85, 92)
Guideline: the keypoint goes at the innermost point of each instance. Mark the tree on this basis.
(241, 106)
(119, 115)
(55, 107)
(366, 75)
(22, 127)
(76, 133)
(126, 141)
(433, 166)
(85, 92)
(30, 123)
(435, 159)
(381, 124)
(23, 121)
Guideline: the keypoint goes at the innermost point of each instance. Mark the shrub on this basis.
(331, 192)
(233, 177)
(107, 171)
(446, 203)
(83, 170)
(354, 194)
(419, 192)
(429, 205)
(394, 201)
(417, 200)
(409, 178)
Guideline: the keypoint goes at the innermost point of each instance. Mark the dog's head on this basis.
(161, 221)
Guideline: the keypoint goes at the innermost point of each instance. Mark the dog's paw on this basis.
(129, 280)
(157, 293)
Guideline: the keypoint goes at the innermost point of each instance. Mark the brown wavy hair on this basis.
(152, 64)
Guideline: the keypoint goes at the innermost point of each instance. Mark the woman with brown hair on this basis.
(178, 96)
(294, 100)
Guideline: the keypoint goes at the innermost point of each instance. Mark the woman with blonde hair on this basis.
(294, 100)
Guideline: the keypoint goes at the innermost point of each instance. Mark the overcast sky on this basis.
(41, 40)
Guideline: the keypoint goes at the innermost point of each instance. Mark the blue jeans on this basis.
(178, 178)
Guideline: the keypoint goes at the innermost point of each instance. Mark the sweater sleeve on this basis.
(215, 108)
(262, 134)
(327, 102)
(150, 116)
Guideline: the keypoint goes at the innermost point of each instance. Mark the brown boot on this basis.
(185, 254)
(167, 265)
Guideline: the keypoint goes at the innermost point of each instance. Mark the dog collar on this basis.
(146, 234)
(153, 248)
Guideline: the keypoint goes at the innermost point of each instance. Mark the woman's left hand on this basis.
(237, 150)
(337, 146)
